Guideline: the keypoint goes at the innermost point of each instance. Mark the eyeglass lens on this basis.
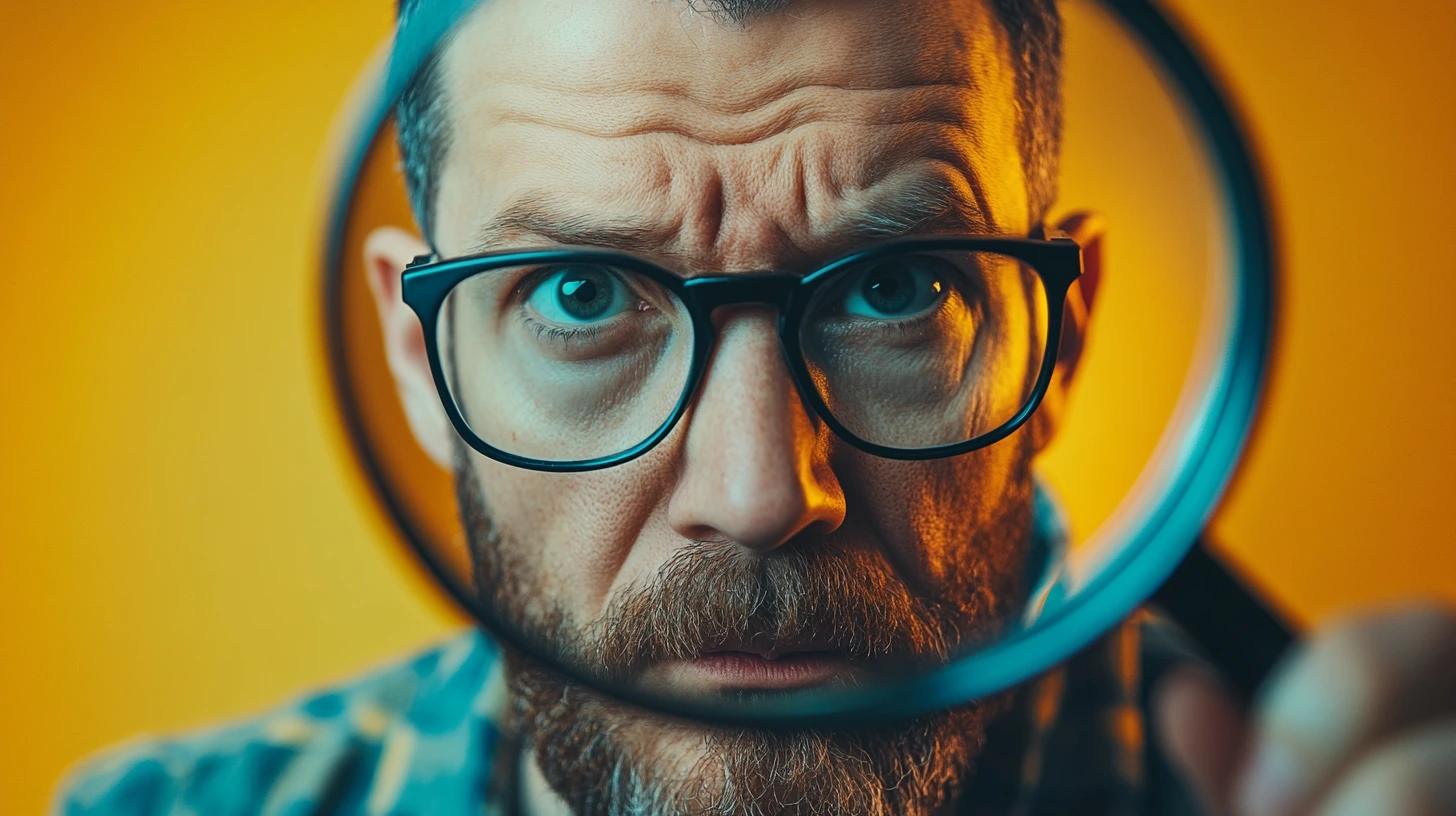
(569, 362)
(929, 349)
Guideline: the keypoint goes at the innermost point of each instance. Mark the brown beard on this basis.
(607, 757)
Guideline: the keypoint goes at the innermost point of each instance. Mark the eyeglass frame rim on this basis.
(1056, 260)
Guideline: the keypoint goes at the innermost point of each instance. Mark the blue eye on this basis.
(579, 294)
(896, 288)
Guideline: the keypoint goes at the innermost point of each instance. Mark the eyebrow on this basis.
(924, 205)
(543, 217)
(918, 207)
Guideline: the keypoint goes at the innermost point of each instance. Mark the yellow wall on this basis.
(180, 536)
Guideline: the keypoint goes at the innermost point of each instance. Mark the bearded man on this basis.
(690, 474)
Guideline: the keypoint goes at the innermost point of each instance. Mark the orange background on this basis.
(181, 538)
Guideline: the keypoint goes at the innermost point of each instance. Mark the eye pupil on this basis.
(585, 293)
(889, 290)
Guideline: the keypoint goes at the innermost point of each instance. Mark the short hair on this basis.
(1034, 32)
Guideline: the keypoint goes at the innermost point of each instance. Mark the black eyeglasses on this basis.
(578, 359)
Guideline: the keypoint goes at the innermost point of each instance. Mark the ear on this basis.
(386, 253)
(1088, 231)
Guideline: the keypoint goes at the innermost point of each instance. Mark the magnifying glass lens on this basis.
(881, 480)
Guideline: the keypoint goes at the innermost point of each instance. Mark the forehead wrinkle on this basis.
(801, 173)
(625, 112)
(787, 200)
(792, 195)
(923, 205)
(912, 90)
(629, 48)
(911, 104)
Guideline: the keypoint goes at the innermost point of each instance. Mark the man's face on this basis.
(751, 549)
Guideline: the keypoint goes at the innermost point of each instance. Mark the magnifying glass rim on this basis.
(1209, 460)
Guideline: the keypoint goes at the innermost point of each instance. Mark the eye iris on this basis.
(584, 293)
(889, 290)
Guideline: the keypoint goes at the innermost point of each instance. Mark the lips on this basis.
(752, 671)
(750, 668)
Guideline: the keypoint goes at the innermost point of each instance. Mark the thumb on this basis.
(1202, 730)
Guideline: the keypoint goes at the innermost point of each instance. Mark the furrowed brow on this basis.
(542, 218)
(929, 205)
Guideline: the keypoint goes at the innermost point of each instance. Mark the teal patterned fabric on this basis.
(417, 737)
(421, 738)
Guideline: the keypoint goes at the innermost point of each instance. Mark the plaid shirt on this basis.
(423, 736)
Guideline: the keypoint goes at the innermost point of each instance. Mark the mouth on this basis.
(739, 669)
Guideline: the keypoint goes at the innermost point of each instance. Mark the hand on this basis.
(1360, 721)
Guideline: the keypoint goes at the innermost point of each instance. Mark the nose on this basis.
(755, 470)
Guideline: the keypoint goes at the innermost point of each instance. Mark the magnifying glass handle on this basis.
(1238, 631)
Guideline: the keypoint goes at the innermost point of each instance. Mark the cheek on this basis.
(574, 532)
(936, 519)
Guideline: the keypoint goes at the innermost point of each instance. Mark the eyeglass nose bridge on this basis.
(772, 288)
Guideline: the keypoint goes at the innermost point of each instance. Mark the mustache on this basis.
(809, 596)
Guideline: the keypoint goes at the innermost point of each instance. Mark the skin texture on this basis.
(734, 175)
(715, 149)
(729, 149)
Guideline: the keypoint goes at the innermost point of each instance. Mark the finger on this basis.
(1413, 776)
(1202, 731)
(1347, 689)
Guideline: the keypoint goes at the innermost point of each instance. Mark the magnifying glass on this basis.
(924, 364)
